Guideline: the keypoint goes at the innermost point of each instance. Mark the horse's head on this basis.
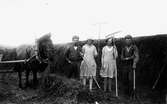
(45, 47)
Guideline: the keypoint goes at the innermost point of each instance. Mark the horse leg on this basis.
(34, 78)
(20, 79)
(27, 77)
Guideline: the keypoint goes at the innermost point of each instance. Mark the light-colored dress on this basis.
(88, 65)
(109, 55)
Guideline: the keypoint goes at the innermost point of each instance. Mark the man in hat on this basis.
(73, 56)
(129, 57)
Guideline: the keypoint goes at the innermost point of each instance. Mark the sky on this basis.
(23, 21)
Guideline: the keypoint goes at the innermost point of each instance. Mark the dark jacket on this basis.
(132, 54)
(74, 55)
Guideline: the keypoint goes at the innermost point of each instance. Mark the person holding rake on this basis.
(88, 65)
(130, 58)
(108, 60)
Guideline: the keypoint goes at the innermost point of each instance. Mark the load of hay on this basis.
(62, 90)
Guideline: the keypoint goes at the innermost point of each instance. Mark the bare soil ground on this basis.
(61, 90)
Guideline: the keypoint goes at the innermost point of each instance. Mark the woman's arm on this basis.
(83, 51)
(102, 56)
(115, 52)
(95, 51)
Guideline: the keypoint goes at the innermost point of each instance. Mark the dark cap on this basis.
(128, 37)
(75, 37)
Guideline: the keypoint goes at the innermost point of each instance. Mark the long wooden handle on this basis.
(159, 75)
(14, 61)
(134, 79)
(116, 83)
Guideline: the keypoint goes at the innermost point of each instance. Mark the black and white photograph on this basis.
(83, 52)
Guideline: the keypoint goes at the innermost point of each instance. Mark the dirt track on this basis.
(64, 91)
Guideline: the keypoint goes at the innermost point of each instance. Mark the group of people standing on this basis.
(83, 58)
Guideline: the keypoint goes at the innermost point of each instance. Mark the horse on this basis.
(37, 60)
(34, 65)
(31, 64)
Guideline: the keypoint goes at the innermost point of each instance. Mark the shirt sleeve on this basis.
(122, 54)
(95, 51)
(80, 52)
(67, 53)
(79, 49)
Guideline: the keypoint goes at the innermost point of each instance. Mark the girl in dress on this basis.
(88, 65)
(108, 60)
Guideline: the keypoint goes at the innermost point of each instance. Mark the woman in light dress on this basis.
(88, 65)
(108, 60)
